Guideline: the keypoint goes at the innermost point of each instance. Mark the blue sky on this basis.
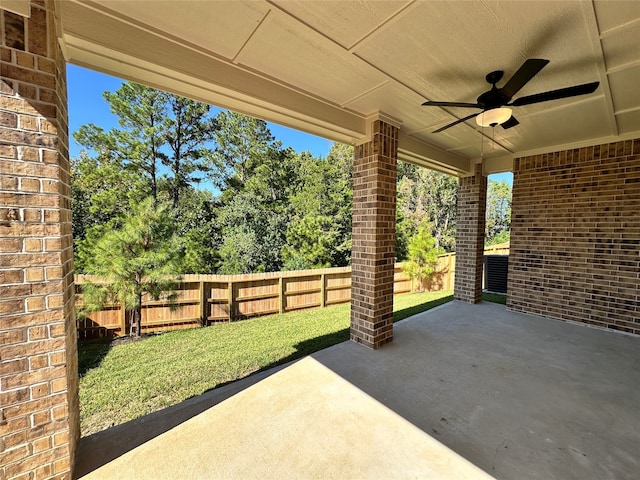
(86, 105)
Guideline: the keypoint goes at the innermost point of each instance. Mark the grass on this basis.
(120, 382)
(494, 298)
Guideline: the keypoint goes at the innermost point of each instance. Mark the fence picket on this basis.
(252, 295)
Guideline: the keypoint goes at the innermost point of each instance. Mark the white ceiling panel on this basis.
(223, 27)
(296, 55)
(582, 117)
(622, 47)
(400, 103)
(344, 21)
(625, 88)
(628, 121)
(616, 13)
(445, 49)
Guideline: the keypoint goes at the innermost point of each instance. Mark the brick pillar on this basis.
(374, 236)
(470, 221)
(39, 417)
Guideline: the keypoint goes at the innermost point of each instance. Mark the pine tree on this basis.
(141, 257)
(423, 256)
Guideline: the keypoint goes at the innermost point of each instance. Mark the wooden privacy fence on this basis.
(501, 249)
(209, 299)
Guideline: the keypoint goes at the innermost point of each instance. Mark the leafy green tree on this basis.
(197, 225)
(254, 174)
(309, 243)
(157, 132)
(252, 235)
(141, 257)
(319, 233)
(423, 256)
(498, 219)
(425, 196)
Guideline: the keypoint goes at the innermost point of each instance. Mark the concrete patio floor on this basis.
(464, 391)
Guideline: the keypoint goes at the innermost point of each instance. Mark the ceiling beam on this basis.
(500, 164)
(412, 150)
(592, 23)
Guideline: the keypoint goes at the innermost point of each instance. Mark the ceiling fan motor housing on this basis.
(494, 98)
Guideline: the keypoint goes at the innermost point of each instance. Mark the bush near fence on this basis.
(209, 299)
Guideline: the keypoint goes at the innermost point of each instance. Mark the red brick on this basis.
(34, 274)
(35, 304)
(573, 250)
(33, 245)
(46, 65)
(37, 362)
(11, 306)
(374, 237)
(8, 151)
(9, 120)
(10, 245)
(27, 122)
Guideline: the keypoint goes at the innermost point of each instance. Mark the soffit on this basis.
(326, 66)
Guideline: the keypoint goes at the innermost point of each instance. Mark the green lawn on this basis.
(125, 381)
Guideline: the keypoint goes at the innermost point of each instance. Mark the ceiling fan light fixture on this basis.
(493, 117)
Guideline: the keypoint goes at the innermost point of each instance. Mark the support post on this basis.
(373, 244)
(39, 413)
(470, 224)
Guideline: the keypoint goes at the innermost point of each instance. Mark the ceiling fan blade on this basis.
(557, 94)
(512, 122)
(456, 122)
(450, 104)
(526, 72)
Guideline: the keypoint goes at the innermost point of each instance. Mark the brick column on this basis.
(39, 417)
(470, 222)
(374, 236)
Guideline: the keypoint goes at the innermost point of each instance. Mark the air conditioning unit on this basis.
(496, 268)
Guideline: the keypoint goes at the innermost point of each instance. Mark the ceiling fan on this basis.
(494, 103)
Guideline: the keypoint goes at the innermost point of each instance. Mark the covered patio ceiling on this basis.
(326, 67)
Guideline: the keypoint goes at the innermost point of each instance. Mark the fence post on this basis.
(281, 294)
(204, 303)
(451, 268)
(230, 301)
(322, 291)
(123, 319)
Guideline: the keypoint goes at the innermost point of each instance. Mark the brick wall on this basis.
(575, 236)
(374, 231)
(470, 222)
(39, 424)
